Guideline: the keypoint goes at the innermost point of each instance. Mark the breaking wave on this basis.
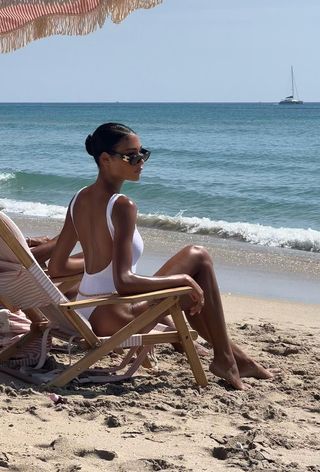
(5, 176)
(294, 238)
(34, 209)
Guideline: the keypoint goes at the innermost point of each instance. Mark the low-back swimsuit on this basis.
(102, 283)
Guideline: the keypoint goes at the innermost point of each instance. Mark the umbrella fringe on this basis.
(120, 9)
(80, 24)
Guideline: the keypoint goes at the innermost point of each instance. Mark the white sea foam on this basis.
(297, 238)
(33, 208)
(6, 176)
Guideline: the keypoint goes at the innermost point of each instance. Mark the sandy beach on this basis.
(163, 421)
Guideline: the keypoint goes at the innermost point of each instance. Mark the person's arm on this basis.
(61, 263)
(128, 283)
(33, 241)
(42, 247)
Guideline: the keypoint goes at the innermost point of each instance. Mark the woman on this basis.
(104, 221)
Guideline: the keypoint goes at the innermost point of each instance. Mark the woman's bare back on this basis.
(90, 221)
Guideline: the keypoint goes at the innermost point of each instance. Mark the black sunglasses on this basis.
(133, 158)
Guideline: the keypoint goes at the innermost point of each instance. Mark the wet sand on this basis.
(241, 268)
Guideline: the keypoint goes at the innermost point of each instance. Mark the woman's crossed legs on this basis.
(230, 362)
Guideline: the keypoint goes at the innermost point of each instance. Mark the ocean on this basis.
(249, 172)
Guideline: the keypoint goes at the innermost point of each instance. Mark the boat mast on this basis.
(292, 85)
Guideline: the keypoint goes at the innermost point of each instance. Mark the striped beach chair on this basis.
(25, 286)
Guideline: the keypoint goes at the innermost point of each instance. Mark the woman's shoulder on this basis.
(124, 203)
(124, 211)
(81, 191)
(122, 214)
(76, 198)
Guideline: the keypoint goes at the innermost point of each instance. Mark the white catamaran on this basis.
(293, 99)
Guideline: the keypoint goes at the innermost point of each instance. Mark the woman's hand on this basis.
(36, 241)
(196, 296)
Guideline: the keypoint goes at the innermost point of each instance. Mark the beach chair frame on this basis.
(43, 315)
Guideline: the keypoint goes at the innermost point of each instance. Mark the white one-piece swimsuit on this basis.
(102, 283)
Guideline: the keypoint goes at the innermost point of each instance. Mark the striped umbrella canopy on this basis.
(22, 21)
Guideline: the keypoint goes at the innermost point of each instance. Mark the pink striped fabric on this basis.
(22, 21)
(12, 327)
(16, 16)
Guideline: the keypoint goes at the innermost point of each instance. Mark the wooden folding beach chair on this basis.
(24, 285)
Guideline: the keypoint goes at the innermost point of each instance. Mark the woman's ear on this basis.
(104, 158)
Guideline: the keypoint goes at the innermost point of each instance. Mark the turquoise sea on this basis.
(245, 171)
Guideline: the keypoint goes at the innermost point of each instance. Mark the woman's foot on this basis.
(251, 368)
(248, 367)
(228, 371)
(201, 350)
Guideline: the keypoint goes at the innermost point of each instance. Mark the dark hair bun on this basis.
(89, 145)
(104, 138)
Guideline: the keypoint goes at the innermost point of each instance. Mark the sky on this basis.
(179, 51)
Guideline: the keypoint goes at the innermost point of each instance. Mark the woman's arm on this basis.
(61, 263)
(33, 241)
(42, 247)
(126, 282)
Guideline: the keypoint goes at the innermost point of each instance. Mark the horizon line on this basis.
(145, 102)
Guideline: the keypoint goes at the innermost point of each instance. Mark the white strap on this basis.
(109, 209)
(73, 201)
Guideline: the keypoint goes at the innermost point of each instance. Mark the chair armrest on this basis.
(67, 283)
(66, 278)
(117, 299)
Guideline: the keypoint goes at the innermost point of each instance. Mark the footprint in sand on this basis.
(150, 465)
(4, 460)
(113, 421)
(100, 453)
(62, 447)
(157, 428)
(282, 350)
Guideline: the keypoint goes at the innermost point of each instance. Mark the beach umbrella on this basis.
(23, 21)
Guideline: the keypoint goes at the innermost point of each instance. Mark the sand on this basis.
(163, 421)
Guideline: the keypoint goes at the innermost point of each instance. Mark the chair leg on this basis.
(118, 377)
(135, 326)
(187, 343)
(126, 359)
(139, 360)
(19, 375)
(147, 364)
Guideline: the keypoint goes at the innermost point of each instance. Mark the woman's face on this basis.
(118, 167)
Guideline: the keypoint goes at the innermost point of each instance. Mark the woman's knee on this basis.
(200, 255)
